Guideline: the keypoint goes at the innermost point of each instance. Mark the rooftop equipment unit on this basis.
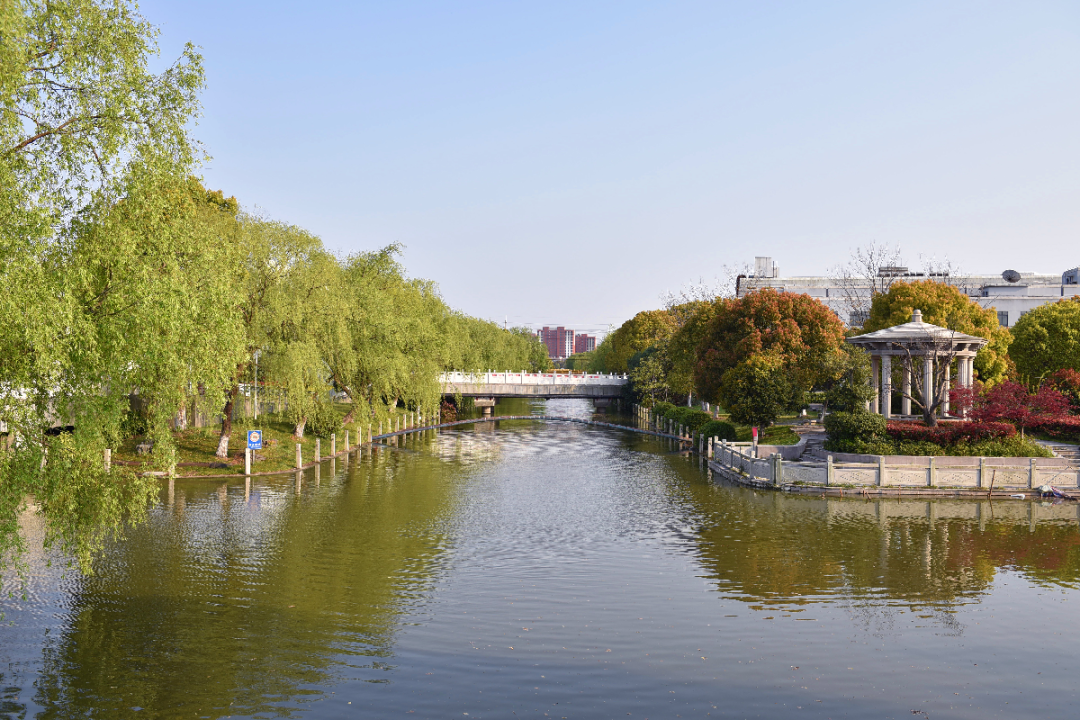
(891, 271)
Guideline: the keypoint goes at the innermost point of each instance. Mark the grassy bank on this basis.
(196, 446)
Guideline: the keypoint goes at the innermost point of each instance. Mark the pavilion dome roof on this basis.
(916, 331)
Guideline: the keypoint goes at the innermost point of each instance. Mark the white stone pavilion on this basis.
(918, 346)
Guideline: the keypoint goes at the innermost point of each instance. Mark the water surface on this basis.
(526, 569)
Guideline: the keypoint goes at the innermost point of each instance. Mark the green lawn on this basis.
(196, 446)
(773, 435)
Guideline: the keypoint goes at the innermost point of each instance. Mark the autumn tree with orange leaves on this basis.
(762, 352)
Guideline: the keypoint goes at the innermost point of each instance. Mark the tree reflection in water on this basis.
(233, 603)
(214, 605)
(771, 549)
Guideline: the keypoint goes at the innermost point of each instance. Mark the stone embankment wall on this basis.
(894, 474)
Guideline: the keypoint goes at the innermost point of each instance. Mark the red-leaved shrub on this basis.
(1067, 382)
(1060, 428)
(949, 433)
(1011, 401)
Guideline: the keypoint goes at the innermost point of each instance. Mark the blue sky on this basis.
(567, 163)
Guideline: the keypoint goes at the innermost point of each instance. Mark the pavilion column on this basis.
(947, 370)
(905, 402)
(886, 386)
(928, 381)
(875, 378)
(968, 379)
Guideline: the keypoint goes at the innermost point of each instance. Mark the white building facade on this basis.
(1010, 294)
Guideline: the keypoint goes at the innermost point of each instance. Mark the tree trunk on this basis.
(298, 429)
(226, 424)
(929, 418)
(181, 416)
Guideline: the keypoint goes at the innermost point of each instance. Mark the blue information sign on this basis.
(254, 439)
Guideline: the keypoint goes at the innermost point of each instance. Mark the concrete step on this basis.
(1062, 450)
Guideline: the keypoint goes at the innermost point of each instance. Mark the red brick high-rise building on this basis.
(584, 343)
(559, 341)
(562, 343)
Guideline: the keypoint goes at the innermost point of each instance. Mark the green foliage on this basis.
(692, 320)
(599, 358)
(762, 352)
(323, 420)
(946, 306)
(756, 390)
(857, 426)
(848, 388)
(121, 273)
(647, 329)
(580, 361)
(111, 270)
(647, 377)
(719, 429)
(1046, 339)
(691, 417)
(663, 408)
(1000, 447)
(688, 416)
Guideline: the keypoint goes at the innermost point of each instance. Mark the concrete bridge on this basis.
(484, 388)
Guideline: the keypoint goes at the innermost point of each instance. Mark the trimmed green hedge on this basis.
(690, 417)
(720, 429)
(868, 434)
(859, 426)
(999, 447)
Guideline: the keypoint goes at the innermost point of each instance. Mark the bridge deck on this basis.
(522, 384)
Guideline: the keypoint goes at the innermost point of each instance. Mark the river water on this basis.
(532, 570)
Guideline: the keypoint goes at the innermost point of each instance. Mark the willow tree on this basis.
(273, 278)
(153, 278)
(313, 306)
(399, 335)
(84, 124)
(480, 345)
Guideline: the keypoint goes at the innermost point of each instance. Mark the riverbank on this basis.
(377, 439)
(899, 476)
(865, 479)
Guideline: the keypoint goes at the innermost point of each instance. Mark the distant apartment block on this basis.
(1010, 294)
(562, 343)
(584, 343)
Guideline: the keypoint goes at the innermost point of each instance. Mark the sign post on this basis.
(254, 439)
(755, 434)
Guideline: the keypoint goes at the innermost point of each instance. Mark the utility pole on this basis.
(256, 389)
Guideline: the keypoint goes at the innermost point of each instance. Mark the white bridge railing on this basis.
(526, 378)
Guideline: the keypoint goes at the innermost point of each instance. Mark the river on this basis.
(531, 570)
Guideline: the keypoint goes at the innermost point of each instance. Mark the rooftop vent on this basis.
(1011, 276)
(764, 267)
